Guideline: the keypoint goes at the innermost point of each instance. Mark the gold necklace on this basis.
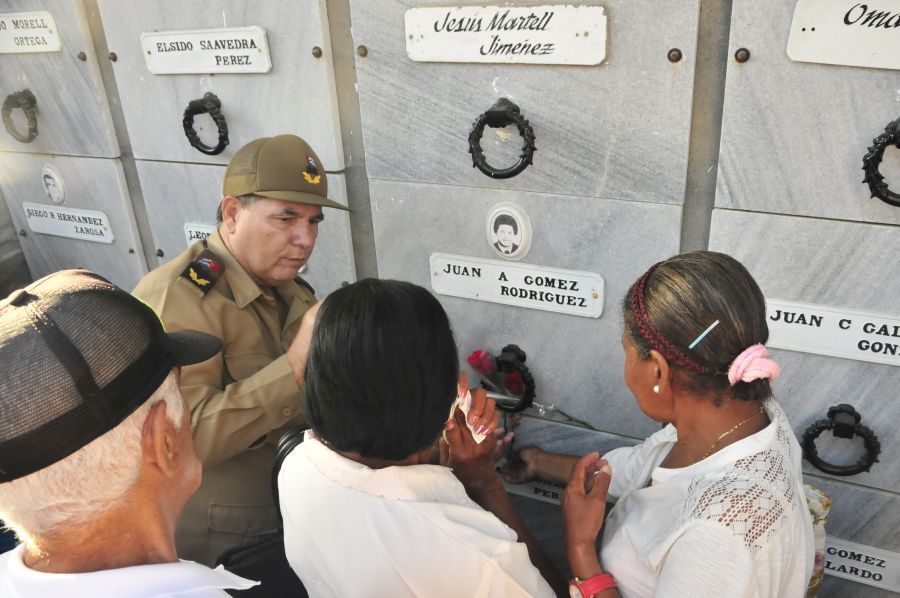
(710, 451)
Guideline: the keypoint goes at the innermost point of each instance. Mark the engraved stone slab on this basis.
(846, 32)
(802, 154)
(297, 96)
(25, 32)
(184, 197)
(418, 116)
(549, 34)
(526, 285)
(794, 259)
(93, 185)
(72, 110)
(235, 50)
(577, 362)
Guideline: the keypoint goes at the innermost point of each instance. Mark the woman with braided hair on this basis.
(712, 504)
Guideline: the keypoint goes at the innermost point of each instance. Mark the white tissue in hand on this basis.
(465, 404)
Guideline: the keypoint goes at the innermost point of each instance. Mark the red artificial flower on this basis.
(481, 361)
(514, 382)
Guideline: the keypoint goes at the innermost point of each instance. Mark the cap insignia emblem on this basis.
(311, 174)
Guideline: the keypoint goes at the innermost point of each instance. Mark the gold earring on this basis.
(656, 388)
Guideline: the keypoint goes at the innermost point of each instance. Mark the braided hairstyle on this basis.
(677, 299)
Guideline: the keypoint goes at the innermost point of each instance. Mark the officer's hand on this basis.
(299, 349)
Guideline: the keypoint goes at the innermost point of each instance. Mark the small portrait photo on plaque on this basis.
(53, 184)
(508, 230)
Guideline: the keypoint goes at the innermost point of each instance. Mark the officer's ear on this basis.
(231, 205)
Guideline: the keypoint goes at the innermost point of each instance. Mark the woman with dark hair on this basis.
(712, 504)
(366, 513)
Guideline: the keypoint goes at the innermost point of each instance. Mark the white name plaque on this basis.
(197, 232)
(24, 32)
(863, 564)
(831, 331)
(235, 50)
(525, 285)
(846, 32)
(548, 34)
(72, 223)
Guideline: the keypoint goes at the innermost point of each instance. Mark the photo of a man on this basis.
(52, 185)
(506, 229)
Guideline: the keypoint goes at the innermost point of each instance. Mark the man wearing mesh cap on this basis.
(241, 285)
(96, 457)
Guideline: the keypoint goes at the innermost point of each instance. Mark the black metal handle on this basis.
(27, 102)
(504, 112)
(843, 420)
(208, 104)
(872, 160)
(512, 359)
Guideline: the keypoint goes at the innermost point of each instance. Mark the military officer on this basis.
(241, 285)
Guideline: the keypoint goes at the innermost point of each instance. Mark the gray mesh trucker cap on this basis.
(78, 355)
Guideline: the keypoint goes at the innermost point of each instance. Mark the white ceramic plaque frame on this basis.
(524, 285)
(846, 32)
(546, 34)
(203, 51)
(72, 223)
(197, 232)
(517, 237)
(837, 332)
(863, 564)
(28, 32)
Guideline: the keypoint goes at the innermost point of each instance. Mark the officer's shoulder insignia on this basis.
(204, 271)
(305, 285)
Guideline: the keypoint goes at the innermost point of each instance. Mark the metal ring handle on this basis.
(208, 104)
(872, 160)
(844, 421)
(504, 112)
(512, 359)
(27, 102)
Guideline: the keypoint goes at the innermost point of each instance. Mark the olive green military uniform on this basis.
(242, 400)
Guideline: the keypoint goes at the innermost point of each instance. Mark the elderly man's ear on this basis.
(159, 442)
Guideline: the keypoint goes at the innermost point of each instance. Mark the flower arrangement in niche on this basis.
(506, 375)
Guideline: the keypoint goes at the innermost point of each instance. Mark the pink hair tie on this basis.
(752, 364)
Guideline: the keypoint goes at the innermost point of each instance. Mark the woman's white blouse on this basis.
(734, 524)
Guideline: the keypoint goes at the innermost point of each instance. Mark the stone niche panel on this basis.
(794, 133)
(577, 362)
(842, 264)
(619, 130)
(96, 184)
(296, 96)
(176, 194)
(861, 515)
(72, 111)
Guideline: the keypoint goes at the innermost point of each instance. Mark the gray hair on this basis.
(83, 486)
(246, 202)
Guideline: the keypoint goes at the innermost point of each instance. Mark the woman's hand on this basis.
(472, 463)
(583, 505)
(522, 465)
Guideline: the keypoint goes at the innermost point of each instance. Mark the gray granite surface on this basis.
(91, 184)
(72, 110)
(297, 96)
(178, 193)
(794, 133)
(844, 264)
(577, 362)
(618, 130)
